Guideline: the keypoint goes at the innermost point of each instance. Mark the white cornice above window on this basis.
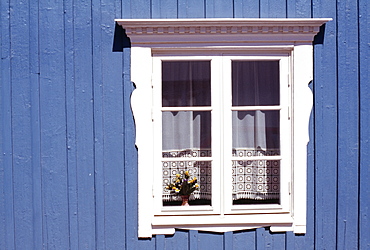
(237, 30)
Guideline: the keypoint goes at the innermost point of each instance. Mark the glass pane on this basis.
(199, 174)
(186, 83)
(256, 182)
(256, 132)
(255, 83)
(186, 134)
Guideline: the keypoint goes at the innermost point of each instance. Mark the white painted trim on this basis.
(153, 32)
(209, 36)
(302, 106)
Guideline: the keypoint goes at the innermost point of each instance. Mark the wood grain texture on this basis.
(68, 162)
(210, 241)
(219, 8)
(364, 95)
(326, 129)
(37, 211)
(71, 123)
(7, 233)
(82, 134)
(191, 9)
(273, 8)
(53, 125)
(246, 8)
(244, 239)
(164, 9)
(97, 82)
(348, 123)
(21, 125)
(299, 8)
(113, 131)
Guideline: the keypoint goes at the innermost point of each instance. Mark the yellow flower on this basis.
(187, 172)
(196, 185)
(195, 178)
(174, 188)
(178, 175)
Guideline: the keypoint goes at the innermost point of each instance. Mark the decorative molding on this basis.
(163, 37)
(159, 31)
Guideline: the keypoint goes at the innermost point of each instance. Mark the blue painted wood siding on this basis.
(68, 164)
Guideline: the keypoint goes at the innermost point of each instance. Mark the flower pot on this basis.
(185, 200)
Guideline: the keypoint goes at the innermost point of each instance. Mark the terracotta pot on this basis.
(185, 200)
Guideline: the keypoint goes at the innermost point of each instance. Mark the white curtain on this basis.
(186, 134)
(256, 132)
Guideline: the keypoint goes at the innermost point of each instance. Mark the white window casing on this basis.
(221, 40)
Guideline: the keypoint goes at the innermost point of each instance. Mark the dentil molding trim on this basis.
(164, 31)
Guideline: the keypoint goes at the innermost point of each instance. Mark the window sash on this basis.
(285, 134)
(221, 142)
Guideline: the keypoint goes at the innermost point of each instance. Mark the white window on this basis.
(226, 100)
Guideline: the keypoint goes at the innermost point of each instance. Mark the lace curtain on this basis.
(187, 134)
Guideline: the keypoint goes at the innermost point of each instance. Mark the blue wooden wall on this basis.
(68, 161)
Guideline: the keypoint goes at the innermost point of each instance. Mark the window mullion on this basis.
(227, 133)
(216, 138)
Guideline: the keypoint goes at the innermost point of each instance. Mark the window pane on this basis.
(256, 131)
(186, 83)
(255, 83)
(201, 175)
(186, 134)
(256, 181)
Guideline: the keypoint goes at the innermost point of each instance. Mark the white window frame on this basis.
(156, 39)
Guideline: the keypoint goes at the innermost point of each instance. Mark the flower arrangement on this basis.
(183, 184)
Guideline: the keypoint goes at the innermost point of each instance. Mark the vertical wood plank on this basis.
(289, 240)
(244, 240)
(210, 241)
(348, 122)
(136, 9)
(191, 8)
(219, 8)
(193, 239)
(159, 242)
(98, 125)
(278, 241)
(84, 137)
(164, 9)
(71, 124)
(364, 74)
(273, 8)
(326, 129)
(6, 167)
(21, 124)
(177, 241)
(246, 9)
(113, 130)
(53, 125)
(260, 239)
(228, 241)
(35, 126)
(267, 240)
(299, 8)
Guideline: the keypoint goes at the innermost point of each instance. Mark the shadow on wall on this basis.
(319, 38)
(120, 39)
